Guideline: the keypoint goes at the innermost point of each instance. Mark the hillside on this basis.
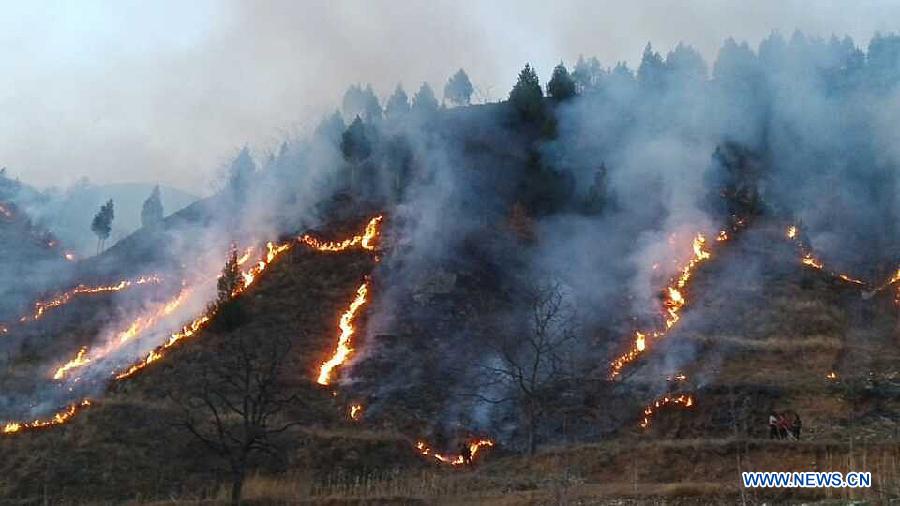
(69, 214)
(21, 238)
(753, 346)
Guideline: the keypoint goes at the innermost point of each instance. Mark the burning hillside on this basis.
(673, 303)
(591, 268)
(71, 371)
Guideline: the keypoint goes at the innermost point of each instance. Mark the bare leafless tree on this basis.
(239, 402)
(530, 363)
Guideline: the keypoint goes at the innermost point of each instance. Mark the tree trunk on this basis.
(531, 428)
(237, 484)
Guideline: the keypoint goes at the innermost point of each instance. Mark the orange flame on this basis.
(809, 259)
(365, 240)
(356, 411)
(41, 307)
(160, 351)
(677, 377)
(142, 323)
(134, 329)
(893, 279)
(250, 276)
(683, 400)
(454, 460)
(831, 376)
(57, 419)
(673, 303)
(344, 346)
(79, 361)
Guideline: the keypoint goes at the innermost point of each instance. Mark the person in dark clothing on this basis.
(773, 425)
(783, 426)
(796, 426)
(466, 453)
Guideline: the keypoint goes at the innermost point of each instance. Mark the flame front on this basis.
(673, 303)
(366, 240)
(683, 400)
(454, 460)
(134, 329)
(344, 345)
(893, 279)
(250, 276)
(41, 307)
(143, 323)
(80, 360)
(58, 418)
(808, 259)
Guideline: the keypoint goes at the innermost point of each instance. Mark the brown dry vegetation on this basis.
(771, 352)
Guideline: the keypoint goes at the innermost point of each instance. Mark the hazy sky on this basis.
(168, 91)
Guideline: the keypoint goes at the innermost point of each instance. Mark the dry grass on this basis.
(643, 472)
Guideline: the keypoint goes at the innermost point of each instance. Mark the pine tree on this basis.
(686, 64)
(228, 308)
(398, 104)
(651, 72)
(561, 86)
(371, 106)
(231, 280)
(355, 144)
(526, 96)
(152, 211)
(331, 128)
(458, 90)
(101, 225)
(424, 103)
(356, 148)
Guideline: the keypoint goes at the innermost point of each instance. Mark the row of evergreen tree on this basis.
(361, 100)
(361, 134)
(840, 62)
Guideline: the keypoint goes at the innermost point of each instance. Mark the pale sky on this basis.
(168, 91)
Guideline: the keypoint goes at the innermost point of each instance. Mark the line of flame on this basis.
(58, 418)
(454, 460)
(248, 277)
(41, 306)
(344, 347)
(684, 400)
(673, 303)
(273, 251)
(135, 328)
(808, 258)
(365, 240)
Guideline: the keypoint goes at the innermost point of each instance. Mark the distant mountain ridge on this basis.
(68, 214)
